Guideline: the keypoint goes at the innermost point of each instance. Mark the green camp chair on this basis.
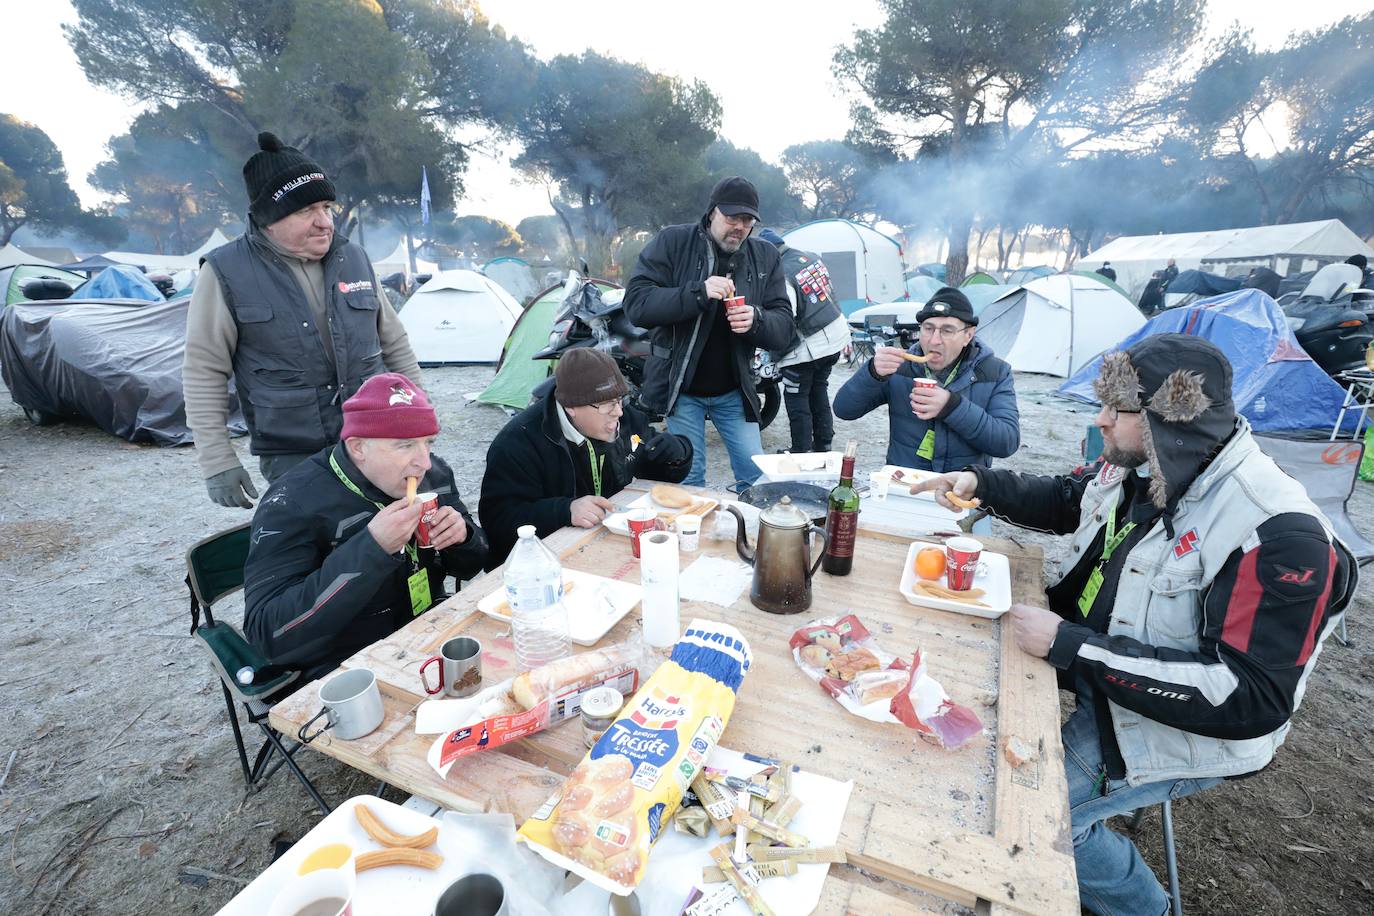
(214, 570)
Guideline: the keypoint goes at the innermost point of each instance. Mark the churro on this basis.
(412, 488)
(915, 358)
(382, 857)
(387, 837)
(963, 503)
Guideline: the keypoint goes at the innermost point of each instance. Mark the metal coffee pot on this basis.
(782, 560)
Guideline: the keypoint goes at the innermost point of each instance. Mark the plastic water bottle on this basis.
(534, 591)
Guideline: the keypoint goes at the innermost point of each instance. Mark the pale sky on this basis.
(770, 71)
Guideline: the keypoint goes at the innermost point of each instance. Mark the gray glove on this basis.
(232, 488)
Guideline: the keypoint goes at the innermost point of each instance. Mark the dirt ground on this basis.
(122, 792)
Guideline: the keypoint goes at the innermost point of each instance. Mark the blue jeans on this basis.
(741, 436)
(1113, 879)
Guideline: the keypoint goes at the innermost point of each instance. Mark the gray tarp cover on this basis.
(116, 363)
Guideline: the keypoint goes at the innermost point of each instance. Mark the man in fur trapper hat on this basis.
(1200, 585)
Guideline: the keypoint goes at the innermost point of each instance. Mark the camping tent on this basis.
(217, 239)
(1276, 385)
(1056, 324)
(118, 282)
(981, 278)
(980, 295)
(865, 265)
(459, 316)
(518, 373)
(1110, 284)
(12, 254)
(1022, 275)
(13, 278)
(398, 262)
(919, 288)
(514, 275)
(1191, 285)
(933, 269)
(92, 265)
(1285, 249)
(151, 262)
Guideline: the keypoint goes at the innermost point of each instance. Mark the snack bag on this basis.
(603, 821)
(531, 701)
(924, 706)
(842, 656)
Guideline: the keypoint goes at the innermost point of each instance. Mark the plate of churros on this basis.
(664, 500)
(990, 595)
(901, 481)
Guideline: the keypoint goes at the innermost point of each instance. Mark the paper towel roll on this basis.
(658, 575)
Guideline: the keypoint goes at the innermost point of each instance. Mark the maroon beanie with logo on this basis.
(389, 406)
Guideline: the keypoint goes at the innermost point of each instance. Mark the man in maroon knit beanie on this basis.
(335, 563)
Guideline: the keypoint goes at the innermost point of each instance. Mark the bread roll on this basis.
(588, 668)
(872, 686)
(671, 497)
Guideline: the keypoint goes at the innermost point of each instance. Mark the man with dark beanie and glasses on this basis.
(290, 310)
(700, 364)
(955, 408)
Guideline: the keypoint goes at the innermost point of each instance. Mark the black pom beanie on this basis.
(281, 180)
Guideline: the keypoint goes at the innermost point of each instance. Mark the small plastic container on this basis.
(688, 533)
(599, 708)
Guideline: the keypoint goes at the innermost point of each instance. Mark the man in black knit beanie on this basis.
(291, 311)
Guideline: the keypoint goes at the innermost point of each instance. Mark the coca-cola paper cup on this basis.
(962, 562)
(430, 501)
(639, 521)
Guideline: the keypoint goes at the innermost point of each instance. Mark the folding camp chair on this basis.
(1166, 812)
(214, 570)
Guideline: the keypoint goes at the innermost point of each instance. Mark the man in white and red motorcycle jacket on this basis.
(1201, 584)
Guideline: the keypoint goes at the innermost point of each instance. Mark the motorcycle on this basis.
(1331, 319)
(591, 317)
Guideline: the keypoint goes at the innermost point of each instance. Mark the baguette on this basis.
(588, 668)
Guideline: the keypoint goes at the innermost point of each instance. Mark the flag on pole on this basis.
(424, 196)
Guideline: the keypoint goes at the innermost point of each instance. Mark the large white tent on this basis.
(398, 262)
(1057, 324)
(515, 274)
(459, 316)
(1287, 249)
(215, 240)
(12, 254)
(865, 265)
(153, 263)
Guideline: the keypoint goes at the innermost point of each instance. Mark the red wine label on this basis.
(841, 528)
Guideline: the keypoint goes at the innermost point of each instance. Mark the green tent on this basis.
(517, 374)
(981, 276)
(13, 278)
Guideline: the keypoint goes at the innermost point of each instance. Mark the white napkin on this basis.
(714, 580)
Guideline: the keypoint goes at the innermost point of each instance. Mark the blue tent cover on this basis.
(1275, 384)
(119, 282)
(1203, 283)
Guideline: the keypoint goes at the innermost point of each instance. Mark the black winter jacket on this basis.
(318, 588)
(531, 478)
(667, 292)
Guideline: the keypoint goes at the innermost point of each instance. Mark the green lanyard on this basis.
(418, 580)
(926, 449)
(1113, 541)
(596, 462)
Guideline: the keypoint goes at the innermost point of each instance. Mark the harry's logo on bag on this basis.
(1186, 544)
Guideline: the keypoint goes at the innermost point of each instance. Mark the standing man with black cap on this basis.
(1201, 584)
(955, 407)
(291, 311)
(822, 333)
(699, 367)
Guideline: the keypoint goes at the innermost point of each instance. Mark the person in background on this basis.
(821, 335)
(1107, 271)
(968, 416)
(558, 462)
(1366, 273)
(1200, 586)
(334, 564)
(290, 310)
(702, 351)
(1169, 273)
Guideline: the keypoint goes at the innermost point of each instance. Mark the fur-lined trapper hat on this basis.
(1183, 385)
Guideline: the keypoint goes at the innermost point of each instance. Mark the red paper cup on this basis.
(924, 383)
(640, 521)
(431, 503)
(962, 556)
(734, 302)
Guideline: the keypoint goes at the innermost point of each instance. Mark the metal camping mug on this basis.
(460, 668)
(477, 894)
(352, 706)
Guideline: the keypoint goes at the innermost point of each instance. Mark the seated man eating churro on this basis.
(557, 462)
(950, 401)
(344, 551)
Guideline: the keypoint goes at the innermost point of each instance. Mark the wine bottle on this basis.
(842, 518)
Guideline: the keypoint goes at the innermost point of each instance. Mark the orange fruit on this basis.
(930, 563)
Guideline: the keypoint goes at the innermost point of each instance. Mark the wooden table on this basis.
(924, 826)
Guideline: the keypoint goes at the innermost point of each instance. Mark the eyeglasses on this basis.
(942, 330)
(743, 219)
(1114, 414)
(606, 408)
